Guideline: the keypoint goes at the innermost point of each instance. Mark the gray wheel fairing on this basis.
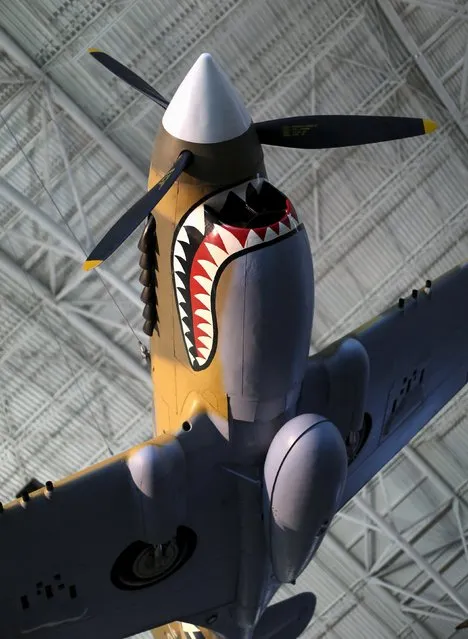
(304, 477)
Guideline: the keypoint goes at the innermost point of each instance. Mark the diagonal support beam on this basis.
(8, 44)
(65, 239)
(421, 61)
(427, 470)
(71, 179)
(123, 359)
(391, 532)
(388, 600)
(464, 80)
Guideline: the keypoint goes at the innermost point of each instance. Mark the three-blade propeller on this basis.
(303, 132)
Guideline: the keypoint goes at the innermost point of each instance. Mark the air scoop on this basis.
(260, 208)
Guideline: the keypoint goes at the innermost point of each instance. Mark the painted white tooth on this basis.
(283, 229)
(231, 242)
(179, 296)
(197, 219)
(182, 236)
(191, 358)
(209, 267)
(178, 250)
(178, 268)
(206, 328)
(208, 341)
(201, 361)
(217, 254)
(185, 326)
(182, 313)
(253, 239)
(205, 352)
(178, 281)
(204, 314)
(270, 234)
(204, 299)
(205, 282)
(292, 221)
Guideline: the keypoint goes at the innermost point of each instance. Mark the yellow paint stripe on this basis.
(90, 264)
(429, 126)
(94, 50)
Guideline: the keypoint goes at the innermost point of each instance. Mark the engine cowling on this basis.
(304, 477)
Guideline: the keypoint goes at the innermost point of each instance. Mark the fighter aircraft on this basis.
(256, 445)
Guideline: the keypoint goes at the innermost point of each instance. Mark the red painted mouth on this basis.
(202, 248)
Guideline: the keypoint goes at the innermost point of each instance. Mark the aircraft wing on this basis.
(58, 549)
(417, 360)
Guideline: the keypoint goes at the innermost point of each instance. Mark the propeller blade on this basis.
(136, 214)
(128, 76)
(328, 131)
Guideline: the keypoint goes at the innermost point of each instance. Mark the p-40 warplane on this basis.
(256, 445)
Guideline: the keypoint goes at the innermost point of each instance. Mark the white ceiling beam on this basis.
(383, 595)
(71, 179)
(392, 533)
(449, 8)
(464, 80)
(318, 49)
(417, 598)
(76, 112)
(122, 359)
(113, 324)
(392, 553)
(301, 169)
(450, 561)
(421, 61)
(64, 239)
(431, 473)
(366, 208)
(372, 295)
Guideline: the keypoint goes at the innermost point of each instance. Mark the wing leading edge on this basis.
(416, 356)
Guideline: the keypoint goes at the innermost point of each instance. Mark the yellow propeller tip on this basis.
(429, 126)
(94, 50)
(90, 264)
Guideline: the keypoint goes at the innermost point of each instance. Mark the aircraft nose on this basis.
(206, 107)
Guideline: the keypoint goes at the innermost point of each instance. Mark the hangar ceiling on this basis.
(74, 153)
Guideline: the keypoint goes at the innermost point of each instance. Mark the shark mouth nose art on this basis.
(223, 227)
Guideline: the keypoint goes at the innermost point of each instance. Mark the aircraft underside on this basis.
(256, 444)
